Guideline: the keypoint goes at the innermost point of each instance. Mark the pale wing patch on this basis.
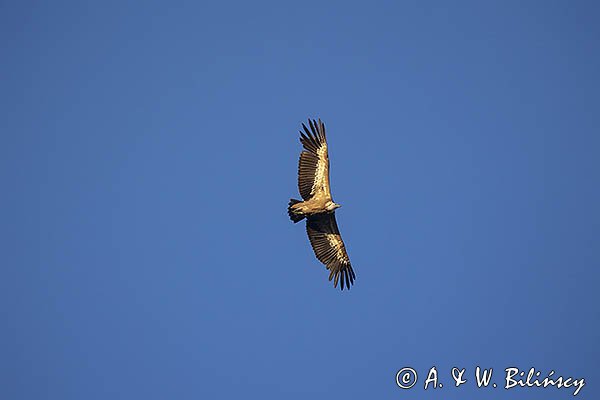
(320, 184)
(336, 243)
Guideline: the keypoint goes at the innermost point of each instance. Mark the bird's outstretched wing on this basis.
(329, 248)
(313, 167)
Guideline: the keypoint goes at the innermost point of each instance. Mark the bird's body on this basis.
(318, 206)
(313, 206)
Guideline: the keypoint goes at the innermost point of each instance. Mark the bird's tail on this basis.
(293, 216)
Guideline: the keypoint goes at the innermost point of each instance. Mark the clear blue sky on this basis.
(148, 154)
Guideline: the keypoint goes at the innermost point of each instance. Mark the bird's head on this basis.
(332, 206)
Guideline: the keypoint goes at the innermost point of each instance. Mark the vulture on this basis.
(318, 206)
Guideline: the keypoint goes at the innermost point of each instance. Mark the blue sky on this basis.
(149, 151)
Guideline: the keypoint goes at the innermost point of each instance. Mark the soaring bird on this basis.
(318, 206)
